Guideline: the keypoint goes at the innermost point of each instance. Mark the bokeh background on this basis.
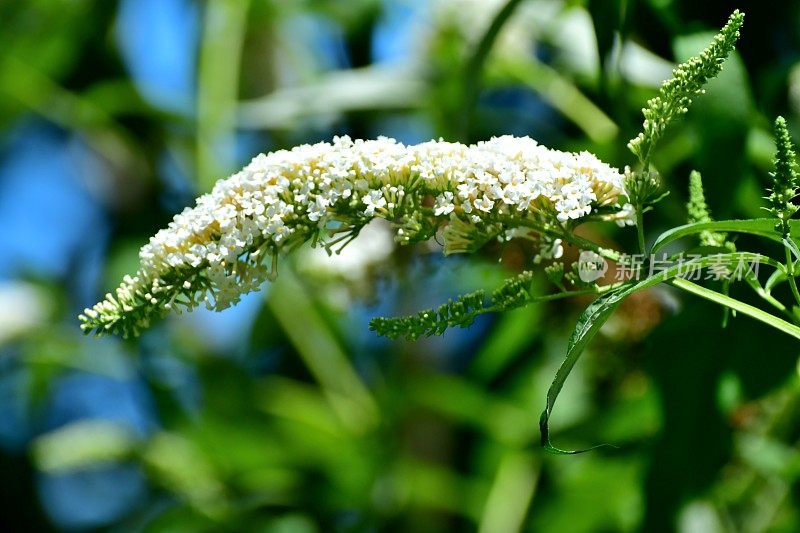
(286, 413)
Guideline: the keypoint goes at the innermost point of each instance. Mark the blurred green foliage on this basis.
(302, 421)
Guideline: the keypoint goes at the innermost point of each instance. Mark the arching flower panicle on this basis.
(228, 243)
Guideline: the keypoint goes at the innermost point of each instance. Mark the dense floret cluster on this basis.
(218, 250)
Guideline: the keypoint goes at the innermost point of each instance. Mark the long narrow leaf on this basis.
(763, 227)
(473, 67)
(601, 310)
(736, 305)
(587, 327)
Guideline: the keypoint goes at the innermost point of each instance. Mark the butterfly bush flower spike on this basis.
(229, 242)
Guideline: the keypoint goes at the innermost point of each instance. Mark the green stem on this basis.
(764, 294)
(790, 275)
(569, 237)
(640, 231)
(607, 253)
(597, 291)
(776, 304)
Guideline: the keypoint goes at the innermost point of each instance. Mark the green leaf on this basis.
(317, 346)
(763, 227)
(790, 244)
(736, 305)
(326, 98)
(775, 279)
(474, 66)
(218, 71)
(587, 327)
(558, 91)
(609, 18)
(601, 309)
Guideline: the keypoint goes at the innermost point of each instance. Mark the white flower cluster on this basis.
(215, 251)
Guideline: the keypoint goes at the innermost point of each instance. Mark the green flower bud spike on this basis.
(676, 94)
(699, 212)
(784, 179)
